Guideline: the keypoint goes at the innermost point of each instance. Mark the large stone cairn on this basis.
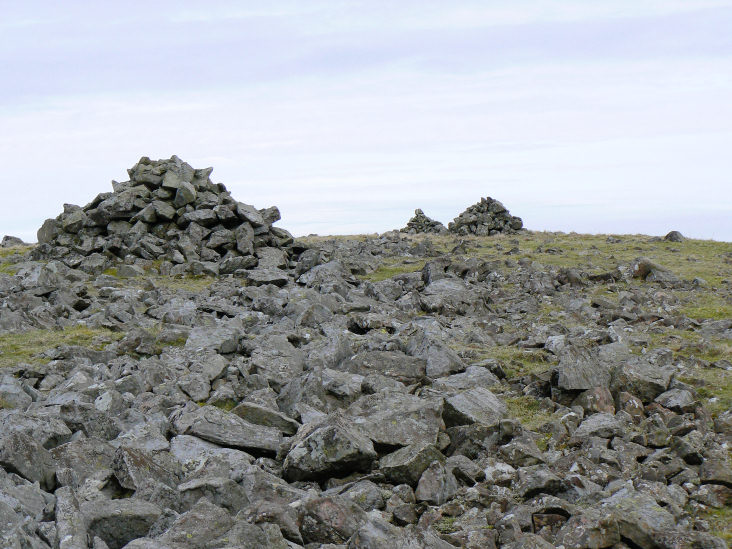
(167, 211)
(487, 217)
(420, 223)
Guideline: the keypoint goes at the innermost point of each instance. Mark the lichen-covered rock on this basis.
(335, 447)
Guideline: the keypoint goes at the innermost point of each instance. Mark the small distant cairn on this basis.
(420, 223)
(487, 217)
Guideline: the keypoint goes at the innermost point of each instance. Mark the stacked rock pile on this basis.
(487, 217)
(420, 223)
(167, 211)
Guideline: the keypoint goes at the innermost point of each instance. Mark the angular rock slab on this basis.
(406, 465)
(642, 379)
(21, 454)
(335, 447)
(478, 405)
(397, 419)
(226, 429)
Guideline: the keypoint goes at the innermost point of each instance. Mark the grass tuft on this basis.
(24, 347)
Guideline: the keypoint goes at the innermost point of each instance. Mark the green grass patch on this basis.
(711, 305)
(189, 283)
(529, 412)
(714, 386)
(516, 361)
(13, 250)
(26, 346)
(446, 525)
(720, 522)
(392, 268)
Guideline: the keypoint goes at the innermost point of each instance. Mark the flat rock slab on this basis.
(261, 415)
(393, 364)
(599, 425)
(260, 277)
(397, 419)
(21, 454)
(227, 429)
(578, 370)
(477, 405)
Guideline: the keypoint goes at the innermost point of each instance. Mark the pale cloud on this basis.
(587, 116)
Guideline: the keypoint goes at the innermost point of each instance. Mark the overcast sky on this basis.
(590, 116)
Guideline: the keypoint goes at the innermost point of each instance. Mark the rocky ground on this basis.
(394, 391)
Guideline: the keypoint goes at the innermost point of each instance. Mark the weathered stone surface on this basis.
(599, 425)
(334, 447)
(393, 364)
(226, 429)
(261, 415)
(477, 405)
(118, 521)
(642, 379)
(436, 485)
(639, 518)
(406, 465)
(330, 520)
(397, 419)
(21, 454)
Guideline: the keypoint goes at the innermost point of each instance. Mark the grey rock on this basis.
(537, 479)
(71, 531)
(185, 194)
(198, 527)
(639, 518)
(406, 465)
(21, 454)
(366, 495)
(478, 405)
(436, 485)
(392, 364)
(440, 359)
(330, 519)
(222, 339)
(11, 242)
(579, 370)
(397, 419)
(473, 376)
(223, 492)
(678, 400)
(261, 277)
(599, 425)
(332, 448)
(642, 379)
(226, 429)
(261, 415)
(119, 521)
